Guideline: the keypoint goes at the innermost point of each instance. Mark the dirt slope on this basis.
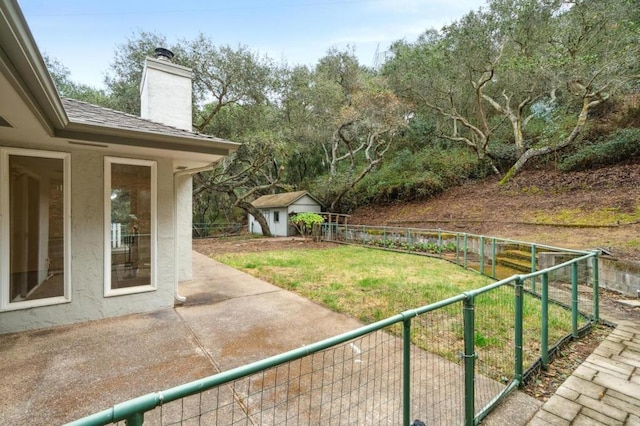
(598, 208)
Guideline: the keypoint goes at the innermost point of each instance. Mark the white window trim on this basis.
(108, 291)
(5, 304)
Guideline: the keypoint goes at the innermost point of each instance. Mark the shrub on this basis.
(306, 222)
(620, 147)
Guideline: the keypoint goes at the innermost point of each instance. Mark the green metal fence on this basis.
(449, 362)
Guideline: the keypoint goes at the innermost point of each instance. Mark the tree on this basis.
(349, 114)
(68, 88)
(593, 48)
(224, 76)
(517, 62)
(448, 72)
(123, 83)
(253, 170)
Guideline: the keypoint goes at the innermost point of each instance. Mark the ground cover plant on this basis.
(371, 285)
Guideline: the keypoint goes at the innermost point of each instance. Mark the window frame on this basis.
(5, 246)
(108, 291)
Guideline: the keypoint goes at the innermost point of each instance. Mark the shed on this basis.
(277, 208)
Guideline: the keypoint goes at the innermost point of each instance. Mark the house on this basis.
(276, 209)
(95, 204)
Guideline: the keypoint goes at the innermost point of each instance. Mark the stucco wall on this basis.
(87, 247)
(184, 186)
(165, 94)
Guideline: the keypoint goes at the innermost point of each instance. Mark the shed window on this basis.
(276, 216)
(130, 220)
(34, 208)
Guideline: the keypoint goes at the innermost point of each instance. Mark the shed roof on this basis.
(281, 200)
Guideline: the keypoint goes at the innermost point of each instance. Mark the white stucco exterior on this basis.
(165, 93)
(54, 153)
(282, 227)
(87, 244)
(184, 219)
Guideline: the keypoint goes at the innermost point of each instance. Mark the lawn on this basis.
(366, 284)
(371, 285)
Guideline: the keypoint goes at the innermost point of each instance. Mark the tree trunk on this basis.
(249, 208)
(536, 152)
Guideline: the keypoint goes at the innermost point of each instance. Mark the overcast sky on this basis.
(83, 34)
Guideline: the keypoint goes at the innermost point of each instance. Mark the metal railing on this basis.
(449, 362)
(206, 230)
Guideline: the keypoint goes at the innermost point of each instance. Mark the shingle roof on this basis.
(86, 113)
(280, 200)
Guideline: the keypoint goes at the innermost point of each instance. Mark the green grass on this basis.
(600, 217)
(372, 285)
(355, 279)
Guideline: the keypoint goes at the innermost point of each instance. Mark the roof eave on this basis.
(24, 66)
(146, 139)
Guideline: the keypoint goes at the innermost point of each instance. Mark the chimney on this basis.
(165, 91)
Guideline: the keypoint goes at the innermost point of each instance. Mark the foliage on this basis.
(123, 82)
(67, 88)
(418, 175)
(517, 62)
(306, 222)
(620, 147)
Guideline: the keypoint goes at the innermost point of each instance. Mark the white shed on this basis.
(277, 208)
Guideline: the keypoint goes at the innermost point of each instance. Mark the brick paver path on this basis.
(605, 389)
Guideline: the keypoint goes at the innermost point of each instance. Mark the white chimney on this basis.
(165, 91)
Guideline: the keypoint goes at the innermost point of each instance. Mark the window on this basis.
(34, 228)
(276, 216)
(130, 226)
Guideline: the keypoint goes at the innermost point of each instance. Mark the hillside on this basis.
(598, 208)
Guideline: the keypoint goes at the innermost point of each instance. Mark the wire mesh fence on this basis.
(437, 370)
(208, 230)
(445, 363)
(358, 379)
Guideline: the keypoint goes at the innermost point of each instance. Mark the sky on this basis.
(83, 34)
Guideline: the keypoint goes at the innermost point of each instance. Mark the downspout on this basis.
(176, 175)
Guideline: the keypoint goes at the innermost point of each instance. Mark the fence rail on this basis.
(206, 230)
(449, 362)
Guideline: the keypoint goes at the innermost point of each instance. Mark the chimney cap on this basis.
(163, 54)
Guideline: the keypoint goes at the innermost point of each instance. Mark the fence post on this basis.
(481, 254)
(493, 258)
(406, 372)
(440, 242)
(457, 248)
(136, 419)
(574, 300)
(533, 267)
(464, 263)
(363, 230)
(596, 288)
(519, 298)
(544, 338)
(469, 360)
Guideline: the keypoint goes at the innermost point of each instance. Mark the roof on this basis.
(86, 114)
(281, 200)
(23, 66)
